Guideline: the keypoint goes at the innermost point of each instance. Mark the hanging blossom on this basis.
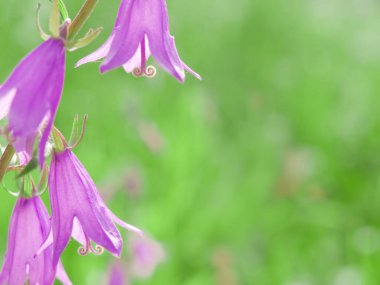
(78, 210)
(29, 98)
(141, 30)
(28, 228)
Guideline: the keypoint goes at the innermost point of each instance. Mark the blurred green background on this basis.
(265, 172)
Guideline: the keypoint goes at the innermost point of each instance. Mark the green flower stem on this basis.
(81, 18)
(63, 10)
(5, 160)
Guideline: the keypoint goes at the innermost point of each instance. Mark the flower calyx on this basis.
(59, 142)
(62, 28)
(27, 188)
(56, 29)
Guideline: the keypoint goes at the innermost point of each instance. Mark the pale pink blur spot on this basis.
(118, 275)
(151, 136)
(147, 254)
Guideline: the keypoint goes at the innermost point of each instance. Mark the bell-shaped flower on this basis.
(78, 210)
(30, 96)
(28, 228)
(141, 30)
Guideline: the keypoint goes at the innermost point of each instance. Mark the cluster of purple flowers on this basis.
(29, 100)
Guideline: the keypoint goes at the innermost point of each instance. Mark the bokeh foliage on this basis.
(265, 172)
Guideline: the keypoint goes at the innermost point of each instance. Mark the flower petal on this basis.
(124, 224)
(135, 61)
(62, 275)
(98, 54)
(62, 218)
(188, 69)
(165, 53)
(78, 233)
(128, 33)
(35, 79)
(5, 102)
(27, 230)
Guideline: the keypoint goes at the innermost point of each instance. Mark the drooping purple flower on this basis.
(78, 210)
(141, 30)
(31, 94)
(28, 228)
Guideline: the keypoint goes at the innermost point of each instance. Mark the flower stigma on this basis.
(147, 71)
(85, 249)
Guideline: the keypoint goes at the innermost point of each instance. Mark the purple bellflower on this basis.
(31, 94)
(78, 210)
(141, 30)
(28, 228)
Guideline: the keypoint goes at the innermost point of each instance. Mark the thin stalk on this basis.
(82, 17)
(5, 160)
(63, 10)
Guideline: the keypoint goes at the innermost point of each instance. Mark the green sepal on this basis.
(79, 137)
(54, 19)
(43, 183)
(27, 187)
(74, 130)
(33, 164)
(58, 140)
(85, 41)
(6, 159)
(63, 10)
(41, 31)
